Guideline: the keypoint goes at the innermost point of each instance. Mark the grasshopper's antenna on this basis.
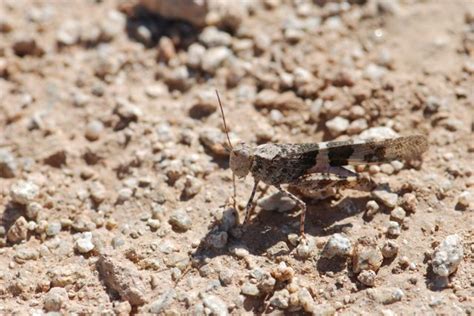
(230, 145)
(223, 118)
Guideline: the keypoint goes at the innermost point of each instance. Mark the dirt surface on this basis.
(115, 189)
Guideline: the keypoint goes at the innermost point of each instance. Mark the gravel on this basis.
(123, 278)
(162, 302)
(367, 277)
(24, 192)
(389, 199)
(337, 245)
(215, 304)
(93, 130)
(84, 243)
(386, 295)
(389, 249)
(398, 214)
(180, 220)
(8, 164)
(18, 231)
(393, 229)
(372, 208)
(250, 289)
(447, 256)
(337, 125)
(55, 299)
(280, 299)
(366, 255)
(53, 228)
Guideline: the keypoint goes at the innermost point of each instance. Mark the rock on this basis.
(216, 305)
(398, 214)
(18, 231)
(218, 240)
(192, 186)
(389, 249)
(250, 289)
(94, 130)
(124, 194)
(167, 50)
(68, 33)
(205, 105)
(465, 199)
(192, 11)
(33, 209)
(389, 199)
(270, 99)
(393, 229)
(177, 78)
(156, 307)
(53, 228)
(366, 255)
(83, 224)
(266, 283)
(409, 202)
(27, 46)
(280, 299)
(65, 275)
(447, 256)
(278, 202)
(385, 295)
(23, 192)
(215, 141)
(282, 272)
(372, 208)
(127, 111)
(156, 90)
(225, 276)
(55, 157)
(55, 299)
(306, 300)
(337, 125)
(84, 243)
(195, 53)
(337, 245)
(305, 248)
(25, 253)
(180, 220)
(123, 278)
(324, 310)
(211, 37)
(374, 72)
(154, 224)
(214, 57)
(278, 249)
(8, 166)
(357, 126)
(367, 277)
(378, 133)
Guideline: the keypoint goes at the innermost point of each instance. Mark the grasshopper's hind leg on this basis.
(300, 203)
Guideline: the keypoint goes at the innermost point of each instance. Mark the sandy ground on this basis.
(115, 188)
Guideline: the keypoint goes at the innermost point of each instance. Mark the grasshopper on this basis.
(313, 166)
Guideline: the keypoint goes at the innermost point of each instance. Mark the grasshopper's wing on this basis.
(353, 152)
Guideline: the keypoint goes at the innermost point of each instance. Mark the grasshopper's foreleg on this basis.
(300, 203)
(249, 206)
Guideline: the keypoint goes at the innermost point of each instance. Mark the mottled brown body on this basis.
(317, 169)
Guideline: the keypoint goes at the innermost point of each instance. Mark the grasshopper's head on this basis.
(241, 157)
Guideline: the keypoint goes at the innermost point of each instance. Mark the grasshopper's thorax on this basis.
(241, 158)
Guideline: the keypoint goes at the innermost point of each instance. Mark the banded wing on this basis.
(353, 152)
